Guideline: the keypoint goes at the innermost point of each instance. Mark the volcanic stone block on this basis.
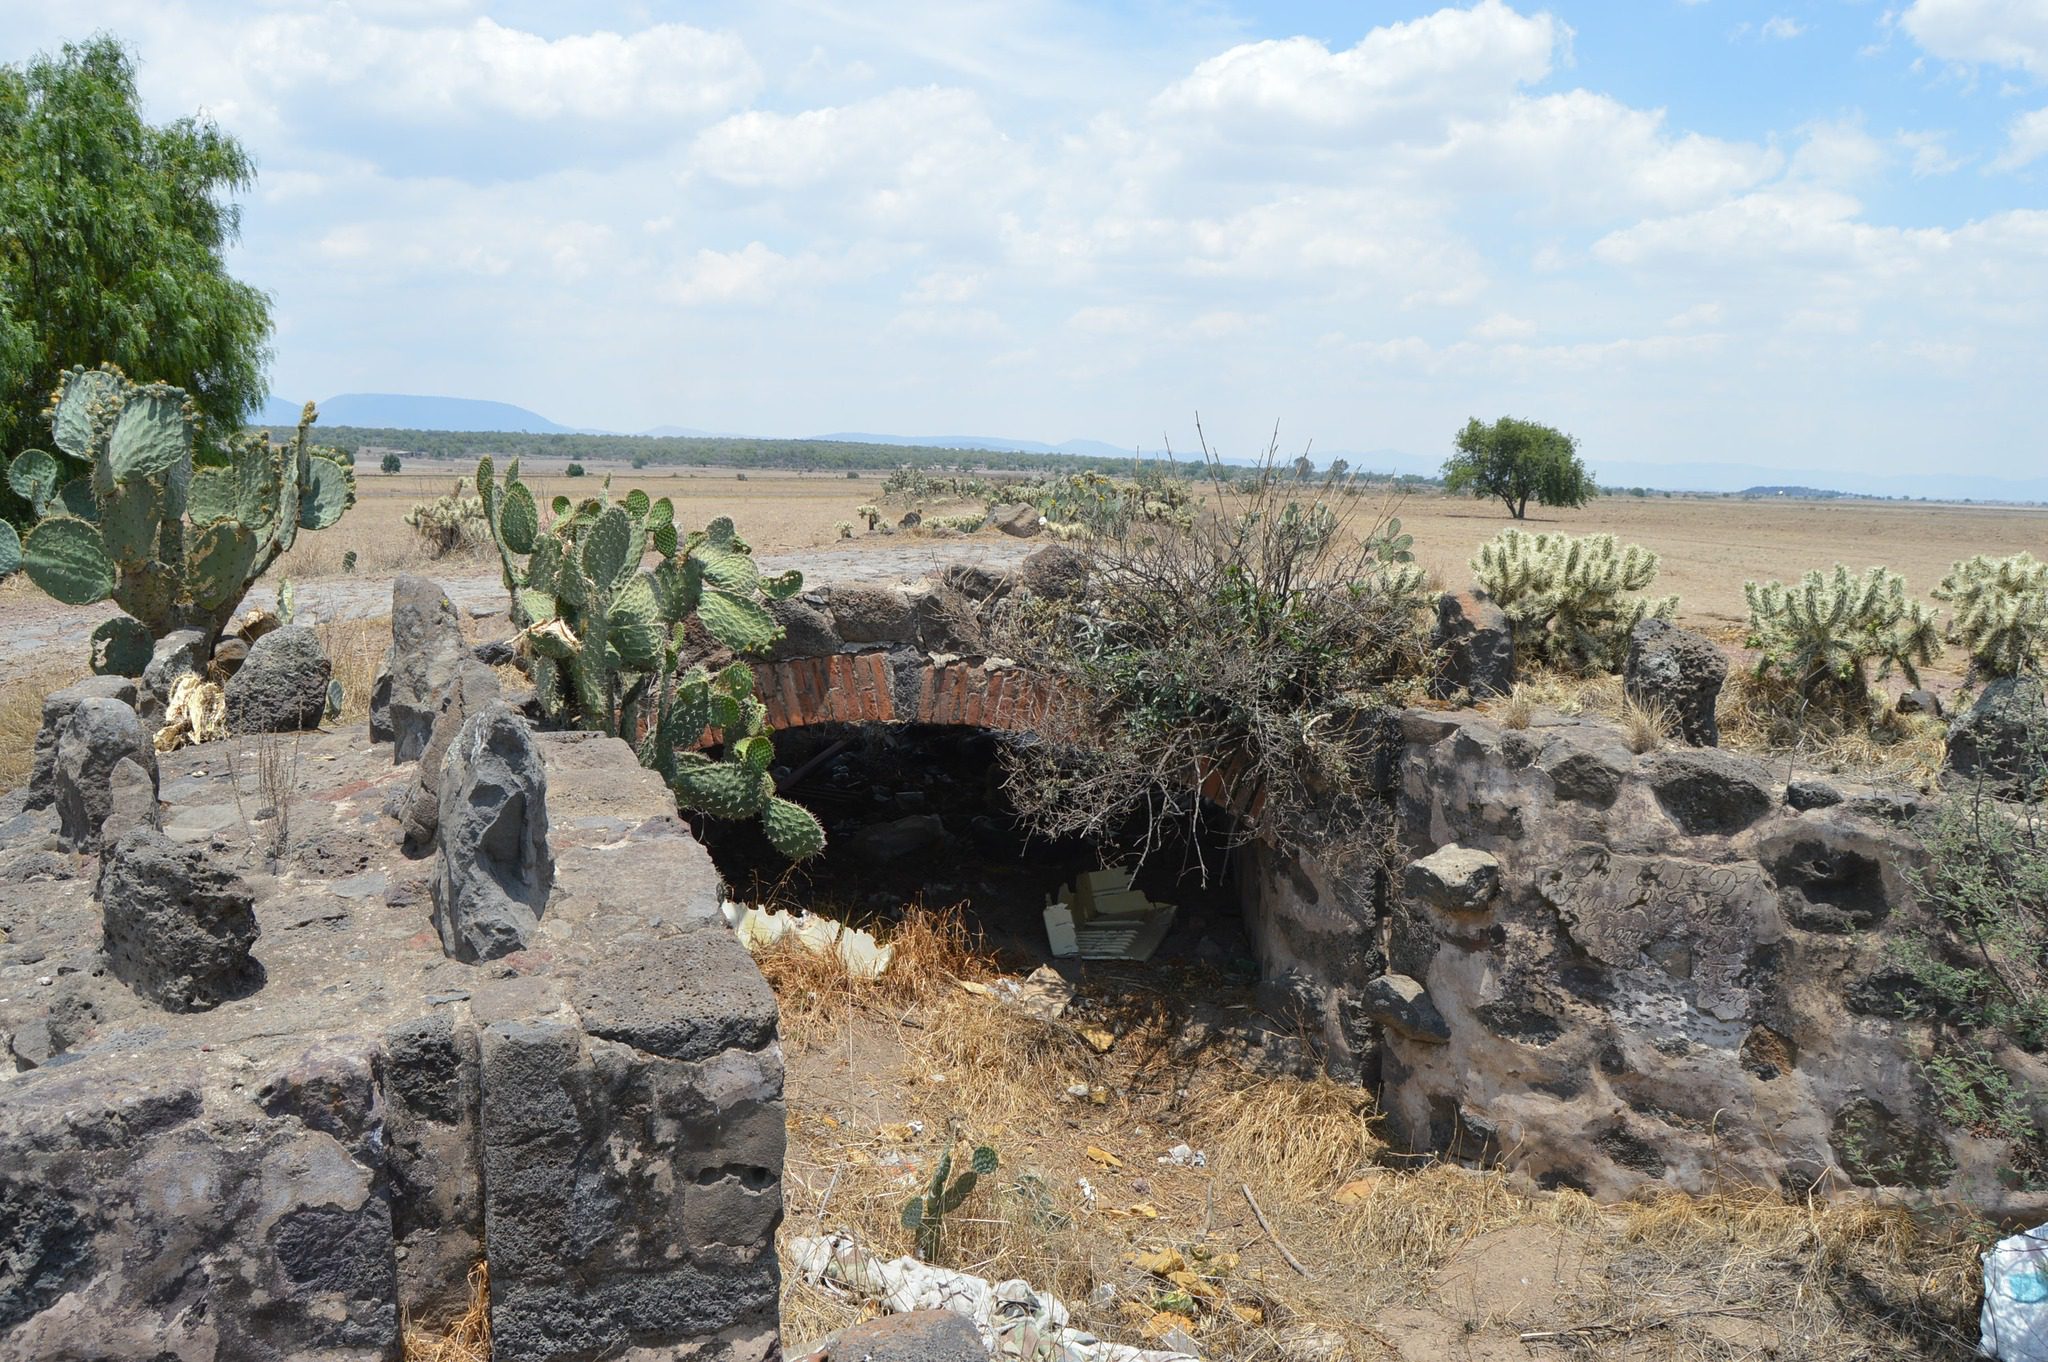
(99, 735)
(178, 929)
(57, 710)
(494, 873)
(1679, 672)
(282, 686)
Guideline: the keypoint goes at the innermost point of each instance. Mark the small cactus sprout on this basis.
(348, 563)
(608, 640)
(138, 505)
(1824, 632)
(925, 1214)
(1999, 613)
(845, 528)
(1570, 599)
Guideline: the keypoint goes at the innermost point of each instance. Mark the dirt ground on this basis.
(1361, 1256)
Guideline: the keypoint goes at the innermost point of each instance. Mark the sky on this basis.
(1808, 233)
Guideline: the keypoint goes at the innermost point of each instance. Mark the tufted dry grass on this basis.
(466, 1338)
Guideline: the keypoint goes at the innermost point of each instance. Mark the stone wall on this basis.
(1610, 971)
(290, 1173)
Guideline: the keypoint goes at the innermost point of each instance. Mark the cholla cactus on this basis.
(606, 640)
(871, 514)
(1569, 599)
(449, 522)
(1823, 633)
(124, 510)
(1999, 612)
(845, 528)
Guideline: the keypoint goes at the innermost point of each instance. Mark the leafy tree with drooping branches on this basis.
(113, 233)
(1517, 462)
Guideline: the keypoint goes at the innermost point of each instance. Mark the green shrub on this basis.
(1998, 612)
(574, 470)
(124, 510)
(1823, 634)
(1570, 601)
(390, 463)
(1979, 966)
(610, 651)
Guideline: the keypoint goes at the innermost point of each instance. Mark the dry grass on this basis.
(1766, 715)
(1761, 717)
(21, 712)
(885, 1076)
(356, 648)
(1643, 726)
(467, 1338)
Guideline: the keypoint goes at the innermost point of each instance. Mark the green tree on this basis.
(574, 470)
(391, 463)
(112, 233)
(1518, 461)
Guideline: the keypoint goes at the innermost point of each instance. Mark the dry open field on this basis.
(1709, 547)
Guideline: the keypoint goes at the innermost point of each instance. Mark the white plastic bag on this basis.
(2015, 1319)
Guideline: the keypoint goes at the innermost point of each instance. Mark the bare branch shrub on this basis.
(1242, 658)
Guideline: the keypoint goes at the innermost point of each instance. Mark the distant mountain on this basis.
(683, 433)
(988, 443)
(406, 411)
(1736, 477)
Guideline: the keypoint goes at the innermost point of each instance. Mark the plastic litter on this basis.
(760, 928)
(1015, 1322)
(1101, 917)
(1185, 1156)
(2014, 1321)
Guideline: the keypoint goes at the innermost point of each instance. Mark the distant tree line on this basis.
(642, 451)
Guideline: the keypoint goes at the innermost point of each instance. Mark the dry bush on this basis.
(1643, 726)
(1769, 716)
(1233, 659)
(466, 1338)
(1517, 710)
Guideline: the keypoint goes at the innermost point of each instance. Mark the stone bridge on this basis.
(867, 653)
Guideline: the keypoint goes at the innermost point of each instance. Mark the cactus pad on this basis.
(121, 647)
(65, 558)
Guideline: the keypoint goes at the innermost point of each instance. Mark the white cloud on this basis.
(753, 274)
(1780, 28)
(1454, 58)
(485, 69)
(2008, 33)
(1504, 326)
(2026, 141)
(916, 215)
(1929, 153)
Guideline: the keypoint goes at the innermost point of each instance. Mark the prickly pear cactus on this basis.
(925, 1214)
(606, 639)
(135, 506)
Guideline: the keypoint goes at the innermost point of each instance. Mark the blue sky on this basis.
(1811, 233)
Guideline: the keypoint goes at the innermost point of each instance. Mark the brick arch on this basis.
(899, 686)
